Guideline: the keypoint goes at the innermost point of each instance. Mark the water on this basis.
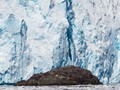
(71, 87)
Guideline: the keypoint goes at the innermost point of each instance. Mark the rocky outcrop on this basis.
(69, 75)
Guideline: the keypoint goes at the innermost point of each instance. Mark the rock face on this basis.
(69, 75)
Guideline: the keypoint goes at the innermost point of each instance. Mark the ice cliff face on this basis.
(38, 35)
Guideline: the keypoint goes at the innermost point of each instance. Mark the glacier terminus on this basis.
(39, 35)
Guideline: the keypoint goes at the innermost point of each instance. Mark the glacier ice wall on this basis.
(39, 35)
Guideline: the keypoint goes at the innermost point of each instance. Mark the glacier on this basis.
(39, 35)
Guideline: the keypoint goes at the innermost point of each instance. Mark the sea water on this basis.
(68, 87)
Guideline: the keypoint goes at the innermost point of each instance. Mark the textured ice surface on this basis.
(38, 35)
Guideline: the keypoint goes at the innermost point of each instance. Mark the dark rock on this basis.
(69, 75)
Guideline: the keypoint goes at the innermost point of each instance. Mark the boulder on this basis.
(69, 75)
